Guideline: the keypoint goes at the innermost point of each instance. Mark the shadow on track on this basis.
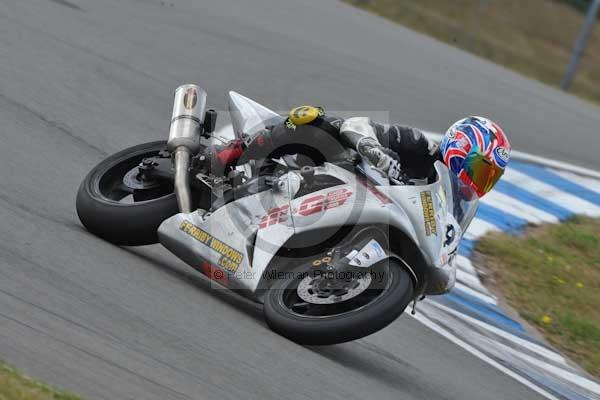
(382, 366)
(197, 280)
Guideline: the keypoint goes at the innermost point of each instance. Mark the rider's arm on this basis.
(416, 152)
(360, 134)
(404, 140)
(399, 138)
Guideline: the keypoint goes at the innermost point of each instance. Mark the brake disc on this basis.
(322, 290)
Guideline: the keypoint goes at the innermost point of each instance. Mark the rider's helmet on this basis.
(477, 151)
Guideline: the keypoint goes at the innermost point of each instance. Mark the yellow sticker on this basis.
(230, 257)
(304, 114)
(428, 213)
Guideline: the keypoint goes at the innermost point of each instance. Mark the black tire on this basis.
(359, 323)
(132, 224)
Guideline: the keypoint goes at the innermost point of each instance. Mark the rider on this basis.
(474, 148)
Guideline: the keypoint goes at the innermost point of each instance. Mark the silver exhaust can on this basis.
(188, 115)
(184, 138)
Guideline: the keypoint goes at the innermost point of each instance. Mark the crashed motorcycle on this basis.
(333, 250)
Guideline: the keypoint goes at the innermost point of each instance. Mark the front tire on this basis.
(101, 207)
(352, 324)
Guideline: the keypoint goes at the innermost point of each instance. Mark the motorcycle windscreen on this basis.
(249, 117)
(464, 202)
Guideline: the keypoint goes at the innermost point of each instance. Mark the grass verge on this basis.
(551, 276)
(16, 386)
(533, 37)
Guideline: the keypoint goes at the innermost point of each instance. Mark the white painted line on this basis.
(466, 265)
(483, 297)
(479, 228)
(575, 379)
(557, 196)
(546, 162)
(592, 184)
(533, 347)
(471, 281)
(477, 353)
(509, 209)
(470, 236)
(461, 267)
(515, 207)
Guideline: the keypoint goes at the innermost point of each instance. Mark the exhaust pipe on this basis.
(184, 138)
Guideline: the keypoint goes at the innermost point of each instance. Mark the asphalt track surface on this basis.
(81, 79)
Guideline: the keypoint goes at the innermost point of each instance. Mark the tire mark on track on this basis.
(117, 343)
(32, 211)
(194, 278)
(68, 4)
(118, 313)
(109, 340)
(88, 51)
(68, 287)
(51, 123)
(386, 369)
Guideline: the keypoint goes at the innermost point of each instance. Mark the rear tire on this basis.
(127, 224)
(326, 330)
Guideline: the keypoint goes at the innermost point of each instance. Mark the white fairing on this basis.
(249, 117)
(431, 229)
(247, 233)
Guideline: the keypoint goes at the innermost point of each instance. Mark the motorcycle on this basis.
(333, 250)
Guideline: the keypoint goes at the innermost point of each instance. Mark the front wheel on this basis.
(309, 308)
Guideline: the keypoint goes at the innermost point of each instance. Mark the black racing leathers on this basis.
(416, 153)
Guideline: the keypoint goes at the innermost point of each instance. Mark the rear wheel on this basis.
(120, 205)
(310, 308)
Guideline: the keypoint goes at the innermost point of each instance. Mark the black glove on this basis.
(386, 161)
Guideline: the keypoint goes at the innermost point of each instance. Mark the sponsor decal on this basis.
(230, 258)
(289, 124)
(502, 154)
(309, 206)
(444, 258)
(371, 188)
(305, 114)
(214, 273)
(312, 205)
(190, 98)
(428, 213)
(274, 216)
(323, 202)
(378, 249)
(337, 123)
